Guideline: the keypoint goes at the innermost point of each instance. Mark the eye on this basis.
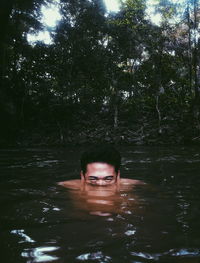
(93, 178)
(108, 178)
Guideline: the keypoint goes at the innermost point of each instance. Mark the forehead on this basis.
(100, 167)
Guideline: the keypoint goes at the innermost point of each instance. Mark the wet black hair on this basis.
(101, 153)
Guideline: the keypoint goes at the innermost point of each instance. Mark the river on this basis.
(39, 223)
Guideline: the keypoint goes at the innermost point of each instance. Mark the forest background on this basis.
(115, 77)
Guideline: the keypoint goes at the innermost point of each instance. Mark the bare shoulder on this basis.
(71, 184)
(126, 181)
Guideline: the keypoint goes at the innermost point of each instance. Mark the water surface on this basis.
(160, 223)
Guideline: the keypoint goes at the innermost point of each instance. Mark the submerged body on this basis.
(118, 198)
(101, 191)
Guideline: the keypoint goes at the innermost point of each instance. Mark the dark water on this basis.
(38, 222)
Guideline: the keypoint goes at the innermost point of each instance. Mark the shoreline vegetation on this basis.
(113, 77)
(139, 135)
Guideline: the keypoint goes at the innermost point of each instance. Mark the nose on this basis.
(100, 182)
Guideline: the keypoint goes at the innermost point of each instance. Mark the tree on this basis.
(17, 19)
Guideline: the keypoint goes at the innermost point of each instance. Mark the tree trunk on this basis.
(60, 132)
(159, 114)
(196, 109)
(189, 49)
(115, 115)
(115, 101)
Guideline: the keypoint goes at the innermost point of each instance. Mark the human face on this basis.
(100, 174)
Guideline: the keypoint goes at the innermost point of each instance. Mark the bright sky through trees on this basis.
(112, 5)
(51, 16)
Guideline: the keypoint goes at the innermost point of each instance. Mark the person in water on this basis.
(100, 166)
(100, 190)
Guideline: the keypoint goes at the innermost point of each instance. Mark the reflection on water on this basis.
(171, 253)
(21, 233)
(105, 201)
(38, 254)
(43, 222)
(94, 256)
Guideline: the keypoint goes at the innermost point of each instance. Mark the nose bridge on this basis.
(101, 181)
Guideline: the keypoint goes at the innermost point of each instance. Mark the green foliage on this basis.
(116, 77)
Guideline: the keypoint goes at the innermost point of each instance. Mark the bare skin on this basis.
(99, 174)
(101, 191)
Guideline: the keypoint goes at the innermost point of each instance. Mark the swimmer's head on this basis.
(100, 165)
(103, 154)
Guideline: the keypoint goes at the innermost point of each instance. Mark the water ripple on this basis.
(20, 233)
(183, 252)
(94, 256)
(38, 254)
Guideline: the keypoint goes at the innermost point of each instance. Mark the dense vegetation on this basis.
(105, 77)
